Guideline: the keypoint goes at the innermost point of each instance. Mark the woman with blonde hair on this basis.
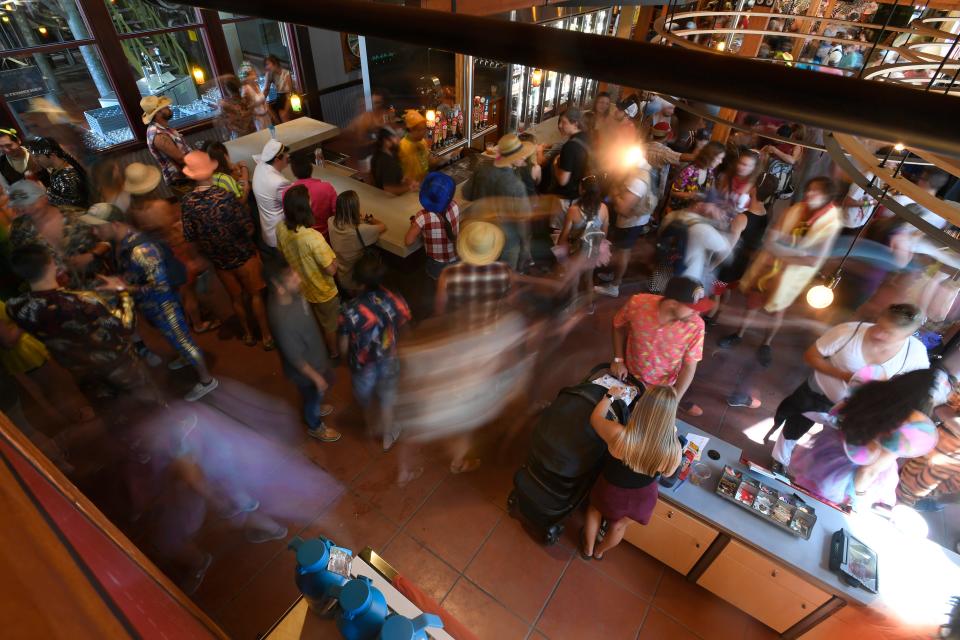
(636, 455)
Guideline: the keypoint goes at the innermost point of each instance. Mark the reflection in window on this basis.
(175, 65)
(35, 23)
(253, 40)
(134, 16)
(72, 80)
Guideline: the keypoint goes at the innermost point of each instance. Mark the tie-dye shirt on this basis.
(655, 351)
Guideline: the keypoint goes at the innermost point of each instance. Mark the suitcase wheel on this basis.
(512, 501)
(553, 534)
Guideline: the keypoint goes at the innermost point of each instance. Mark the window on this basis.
(175, 65)
(136, 16)
(36, 23)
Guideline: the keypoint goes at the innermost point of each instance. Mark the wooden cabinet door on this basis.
(672, 537)
(761, 587)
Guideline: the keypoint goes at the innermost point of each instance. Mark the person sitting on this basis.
(323, 197)
(853, 461)
(637, 454)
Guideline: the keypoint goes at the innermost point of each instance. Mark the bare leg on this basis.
(330, 337)
(191, 305)
(775, 326)
(621, 260)
(240, 310)
(614, 535)
(590, 530)
(747, 321)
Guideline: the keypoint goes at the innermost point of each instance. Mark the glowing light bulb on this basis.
(431, 116)
(536, 77)
(633, 156)
(295, 103)
(721, 45)
(820, 296)
(42, 30)
(898, 147)
(198, 75)
(5, 18)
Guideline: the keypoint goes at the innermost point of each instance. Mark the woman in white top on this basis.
(282, 81)
(837, 355)
(256, 98)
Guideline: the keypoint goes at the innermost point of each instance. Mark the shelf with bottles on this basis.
(445, 128)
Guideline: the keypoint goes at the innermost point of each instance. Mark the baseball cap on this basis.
(24, 193)
(689, 292)
(271, 150)
(101, 213)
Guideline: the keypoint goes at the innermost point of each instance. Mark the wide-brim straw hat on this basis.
(151, 105)
(139, 178)
(480, 243)
(510, 149)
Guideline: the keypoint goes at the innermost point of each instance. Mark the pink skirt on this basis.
(616, 503)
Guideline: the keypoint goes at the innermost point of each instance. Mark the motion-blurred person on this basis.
(323, 197)
(160, 219)
(166, 144)
(16, 163)
(571, 165)
(477, 287)
(236, 111)
(269, 185)
(282, 82)
(661, 158)
(385, 166)
(368, 328)
(584, 236)
(88, 335)
(697, 178)
(351, 236)
(229, 176)
(659, 339)
(929, 480)
(413, 152)
(150, 272)
(107, 180)
(219, 225)
(498, 191)
(302, 350)
(437, 224)
(839, 354)
(251, 91)
(637, 454)
(793, 252)
(782, 157)
(309, 254)
(633, 203)
(67, 180)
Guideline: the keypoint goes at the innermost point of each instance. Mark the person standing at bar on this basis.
(282, 82)
(268, 188)
(570, 167)
(836, 356)
(413, 151)
(385, 166)
(166, 144)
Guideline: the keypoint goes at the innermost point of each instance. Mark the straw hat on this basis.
(197, 165)
(140, 178)
(480, 243)
(153, 104)
(510, 149)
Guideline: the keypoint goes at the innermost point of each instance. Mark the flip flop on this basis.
(582, 545)
(249, 340)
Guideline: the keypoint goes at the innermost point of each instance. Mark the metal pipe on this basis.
(864, 108)
(468, 88)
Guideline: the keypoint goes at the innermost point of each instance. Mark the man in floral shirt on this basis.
(659, 339)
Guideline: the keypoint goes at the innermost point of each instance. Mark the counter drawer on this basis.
(761, 587)
(672, 537)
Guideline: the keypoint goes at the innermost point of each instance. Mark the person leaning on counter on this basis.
(413, 150)
(385, 166)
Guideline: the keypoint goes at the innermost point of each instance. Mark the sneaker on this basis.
(235, 510)
(179, 363)
(743, 400)
(765, 355)
(325, 410)
(609, 290)
(324, 434)
(731, 340)
(257, 536)
(200, 389)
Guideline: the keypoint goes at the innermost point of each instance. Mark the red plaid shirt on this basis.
(478, 291)
(655, 352)
(435, 241)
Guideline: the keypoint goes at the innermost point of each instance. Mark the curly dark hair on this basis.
(877, 408)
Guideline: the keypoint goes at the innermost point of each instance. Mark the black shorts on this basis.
(625, 238)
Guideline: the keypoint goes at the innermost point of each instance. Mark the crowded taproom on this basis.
(480, 320)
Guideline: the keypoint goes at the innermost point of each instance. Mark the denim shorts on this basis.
(376, 380)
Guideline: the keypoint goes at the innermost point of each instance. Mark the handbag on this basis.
(368, 250)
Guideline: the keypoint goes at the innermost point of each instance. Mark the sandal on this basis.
(249, 340)
(269, 345)
(466, 466)
(208, 325)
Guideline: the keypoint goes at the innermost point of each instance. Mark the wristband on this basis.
(616, 360)
(610, 397)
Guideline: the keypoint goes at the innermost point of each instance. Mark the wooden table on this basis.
(295, 135)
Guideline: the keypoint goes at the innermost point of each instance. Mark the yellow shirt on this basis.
(308, 254)
(414, 159)
(28, 354)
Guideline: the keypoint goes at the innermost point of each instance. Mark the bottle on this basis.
(442, 129)
(318, 156)
(363, 609)
(451, 125)
(273, 130)
(398, 627)
(321, 567)
(486, 111)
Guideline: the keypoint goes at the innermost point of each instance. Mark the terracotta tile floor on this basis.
(451, 534)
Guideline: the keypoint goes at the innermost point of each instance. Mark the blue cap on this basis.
(436, 192)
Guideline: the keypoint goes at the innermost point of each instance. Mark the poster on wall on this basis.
(22, 83)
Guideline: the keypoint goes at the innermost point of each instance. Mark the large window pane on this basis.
(175, 65)
(134, 16)
(33, 23)
(253, 40)
(73, 79)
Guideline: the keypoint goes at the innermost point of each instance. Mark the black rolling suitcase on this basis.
(565, 459)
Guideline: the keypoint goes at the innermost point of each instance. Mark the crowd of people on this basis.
(544, 232)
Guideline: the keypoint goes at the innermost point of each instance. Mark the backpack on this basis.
(672, 247)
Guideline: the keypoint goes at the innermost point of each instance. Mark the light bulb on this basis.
(295, 103)
(198, 75)
(633, 156)
(721, 45)
(42, 30)
(820, 296)
(536, 77)
(431, 118)
(898, 147)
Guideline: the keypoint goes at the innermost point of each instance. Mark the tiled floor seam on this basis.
(646, 614)
(595, 566)
(677, 620)
(553, 591)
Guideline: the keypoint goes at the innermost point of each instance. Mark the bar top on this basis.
(917, 576)
(296, 134)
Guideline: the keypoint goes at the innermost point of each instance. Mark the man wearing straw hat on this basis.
(504, 195)
(167, 145)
